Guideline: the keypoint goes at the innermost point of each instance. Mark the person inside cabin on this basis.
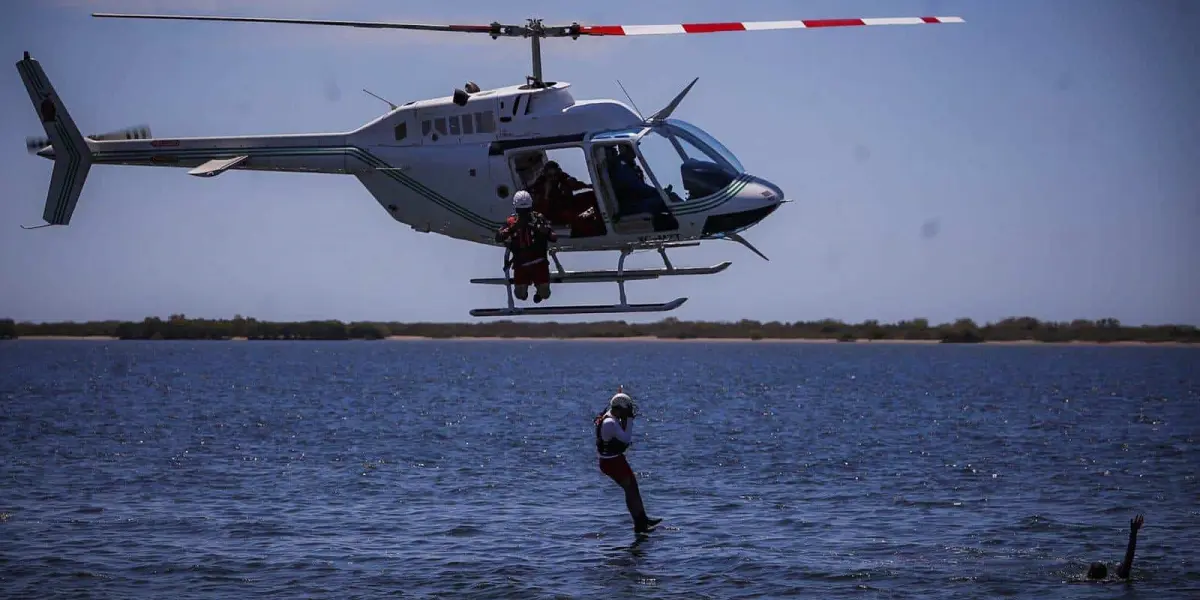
(555, 193)
(1098, 570)
(635, 195)
(555, 190)
(628, 183)
(528, 235)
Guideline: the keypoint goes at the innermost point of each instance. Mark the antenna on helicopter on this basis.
(389, 103)
(631, 102)
(535, 30)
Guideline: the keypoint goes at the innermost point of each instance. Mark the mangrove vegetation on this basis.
(181, 327)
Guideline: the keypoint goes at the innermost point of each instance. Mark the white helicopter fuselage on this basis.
(451, 167)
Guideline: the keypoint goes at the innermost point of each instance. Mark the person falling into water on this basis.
(614, 434)
(1098, 570)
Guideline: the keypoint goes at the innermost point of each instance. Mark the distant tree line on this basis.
(180, 327)
(8, 329)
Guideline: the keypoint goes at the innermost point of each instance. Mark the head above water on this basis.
(621, 405)
(1097, 571)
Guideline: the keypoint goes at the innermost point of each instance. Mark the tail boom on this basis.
(210, 156)
(74, 154)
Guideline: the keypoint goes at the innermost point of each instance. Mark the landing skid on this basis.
(619, 276)
(578, 309)
(610, 276)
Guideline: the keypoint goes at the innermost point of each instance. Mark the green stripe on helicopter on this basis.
(382, 166)
(710, 202)
(279, 151)
(282, 151)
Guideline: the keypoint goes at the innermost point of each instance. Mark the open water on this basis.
(466, 469)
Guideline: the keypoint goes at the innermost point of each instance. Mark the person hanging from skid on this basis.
(528, 236)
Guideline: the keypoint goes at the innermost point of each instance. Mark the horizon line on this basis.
(1096, 322)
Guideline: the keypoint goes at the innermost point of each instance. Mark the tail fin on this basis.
(72, 155)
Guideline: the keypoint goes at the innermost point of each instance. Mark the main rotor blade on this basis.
(496, 30)
(756, 25)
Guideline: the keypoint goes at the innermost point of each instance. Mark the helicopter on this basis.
(451, 165)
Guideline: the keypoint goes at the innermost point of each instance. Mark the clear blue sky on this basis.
(1047, 150)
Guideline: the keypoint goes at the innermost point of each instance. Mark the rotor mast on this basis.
(535, 31)
(536, 43)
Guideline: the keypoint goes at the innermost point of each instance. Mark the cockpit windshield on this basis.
(687, 163)
(702, 139)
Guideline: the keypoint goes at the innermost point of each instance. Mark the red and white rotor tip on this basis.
(757, 25)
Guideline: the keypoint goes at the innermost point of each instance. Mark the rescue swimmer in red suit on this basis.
(528, 235)
(614, 434)
(554, 196)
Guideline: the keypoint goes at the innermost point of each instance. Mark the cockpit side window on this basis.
(627, 178)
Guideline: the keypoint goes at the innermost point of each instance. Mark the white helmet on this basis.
(621, 400)
(522, 200)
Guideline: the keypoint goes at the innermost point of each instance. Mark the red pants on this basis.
(617, 468)
(537, 273)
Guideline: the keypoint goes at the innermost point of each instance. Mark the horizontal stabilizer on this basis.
(578, 309)
(612, 275)
(217, 166)
(41, 146)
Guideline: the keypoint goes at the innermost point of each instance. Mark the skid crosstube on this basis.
(612, 275)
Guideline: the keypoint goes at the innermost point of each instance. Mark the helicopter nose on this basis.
(753, 203)
(776, 193)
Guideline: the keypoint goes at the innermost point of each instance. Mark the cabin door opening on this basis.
(562, 190)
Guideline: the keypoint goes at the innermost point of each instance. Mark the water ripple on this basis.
(466, 469)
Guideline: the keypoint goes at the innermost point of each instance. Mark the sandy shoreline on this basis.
(862, 341)
(402, 338)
